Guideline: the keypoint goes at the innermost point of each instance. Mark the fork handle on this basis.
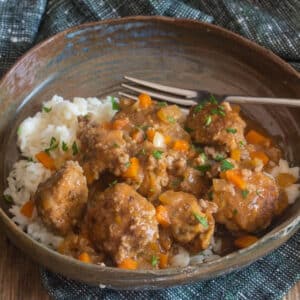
(263, 100)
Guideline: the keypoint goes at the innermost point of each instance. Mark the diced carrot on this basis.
(144, 101)
(285, 179)
(260, 155)
(119, 123)
(163, 261)
(133, 169)
(150, 134)
(181, 145)
(162, 216)
(137, 135)
(168, 139)
(46, 160)
(236, 154)
(85, 257)
(254, 137)
(235, 177)
(236, 108)
(129, 264)
(106, 125)
(245, 241)
(27, 209)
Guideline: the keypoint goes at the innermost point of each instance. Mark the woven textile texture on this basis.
(274, 24)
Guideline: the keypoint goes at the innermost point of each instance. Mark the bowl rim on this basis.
(171, 276)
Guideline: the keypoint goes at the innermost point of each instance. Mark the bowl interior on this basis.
(91, 60)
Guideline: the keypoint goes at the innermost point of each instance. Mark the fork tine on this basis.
(181, 101)
(128, 96)
(163, 88)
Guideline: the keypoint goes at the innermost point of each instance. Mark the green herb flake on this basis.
(218, 111)
(115, 105)
(196, 148)
(113, 183)
(157, 154)
(30, 159)
(210, 195)
(219, 157)
(75, 148)
(53, 145)
(188, 129)
(8, 198)
(162, 104)
(47, 109)
(115, 145)
(203, 168)
(64, 146)
(235, 212)
(208, 120)
(213, 100)
(198, 108)
(201, 220)
(154, 260)
(203, 156)
(128, 164)
(231, 130)
(245, 193)
(226, 165)
(142, 152)
(171, 120)
(242, 144)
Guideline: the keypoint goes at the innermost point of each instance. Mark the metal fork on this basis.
(193, 97)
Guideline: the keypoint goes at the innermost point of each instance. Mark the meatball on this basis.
(101, 149)
(122, 223)
(215, 124)
(251, 209)
(61, 199)
(188, 220)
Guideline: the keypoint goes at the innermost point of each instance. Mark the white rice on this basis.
(57, 119)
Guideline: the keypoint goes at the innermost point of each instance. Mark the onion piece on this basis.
(159, 140)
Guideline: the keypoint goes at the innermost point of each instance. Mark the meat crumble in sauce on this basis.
(153, 180)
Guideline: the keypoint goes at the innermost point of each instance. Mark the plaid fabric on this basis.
(274, 24)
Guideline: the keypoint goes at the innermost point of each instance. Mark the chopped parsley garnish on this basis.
(47, 109)
(154, 261)
(235, 212)
(53, 145)
(113, 183)
(226, 165)
(115, 145)
(242, 144)
(64, 146)
(128, 164)
(245, 193)
(8, 198)
(162, 103)
(75, 148)
(198, 149)
(188, 129)
(218, 111)
(30, 159)
(219, 157)
(142, 152)
(171, 119)
(203, 156)
(157, 154)
(201, 220)
(115, 105)
(213, 100)
(208, 120)
(142, 127)
(203, 168)
(210, 195)
(198, 108)
(231, 130)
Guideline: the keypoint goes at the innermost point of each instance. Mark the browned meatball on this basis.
(189, 220)
(122, 223)
(215, 124)
(61, 199)
(251, 209)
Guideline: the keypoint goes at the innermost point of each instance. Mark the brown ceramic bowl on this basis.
(90, 60)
